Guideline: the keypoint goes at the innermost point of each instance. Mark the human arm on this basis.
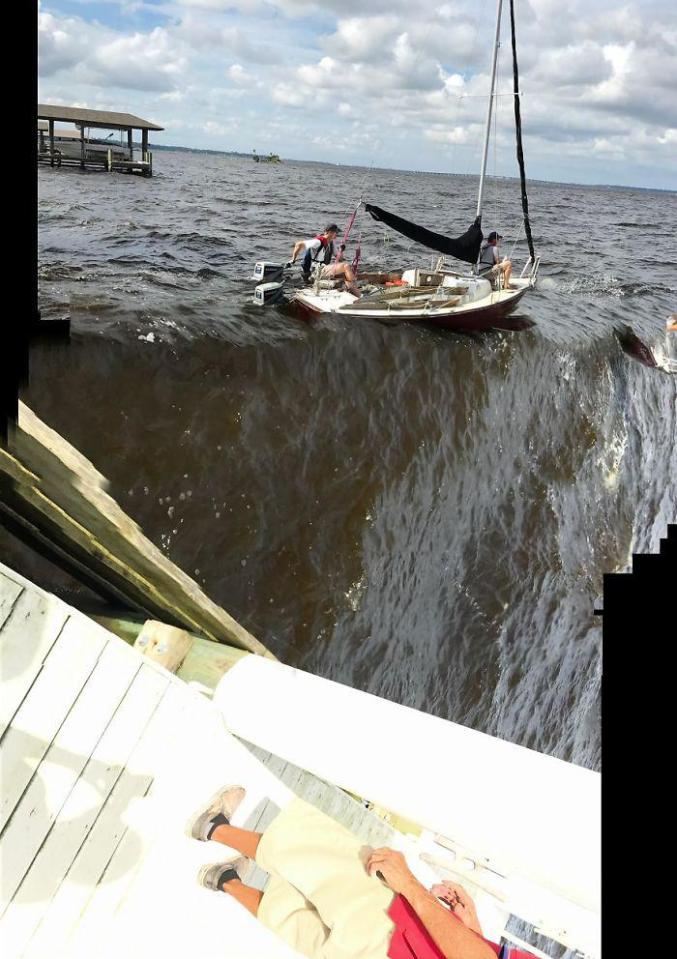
(460, 903)
(454, 939)
(297, 249)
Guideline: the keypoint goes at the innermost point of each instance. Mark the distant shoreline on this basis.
(357, 166)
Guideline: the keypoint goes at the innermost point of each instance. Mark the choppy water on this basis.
(424, 515)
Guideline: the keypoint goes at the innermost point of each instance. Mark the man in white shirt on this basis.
(489, 263)
(321, 249)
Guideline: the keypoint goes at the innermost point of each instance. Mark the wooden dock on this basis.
(77, 147)
(105, 755)
(61, 155)
(53, 498)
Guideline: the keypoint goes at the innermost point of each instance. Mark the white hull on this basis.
(479, 307)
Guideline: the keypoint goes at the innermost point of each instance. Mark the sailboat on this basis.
(441, 295)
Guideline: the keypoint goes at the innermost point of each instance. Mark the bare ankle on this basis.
(220, 834)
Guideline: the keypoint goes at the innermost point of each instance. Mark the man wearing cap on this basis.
(489, 263)
(321, 249)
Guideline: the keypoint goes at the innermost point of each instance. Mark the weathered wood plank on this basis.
(124, 750)
(128, 843)
(50, 699)
(112, 679)
(68, 502)
(205, 662)
(61, 765)
(365, 823)
(125, 627)
(25, 640)
(10, 590)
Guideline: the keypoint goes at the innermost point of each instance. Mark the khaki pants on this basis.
(319, 898)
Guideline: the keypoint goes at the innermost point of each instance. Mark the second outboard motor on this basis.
(268, 294)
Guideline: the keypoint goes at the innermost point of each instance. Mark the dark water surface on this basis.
(424, 515)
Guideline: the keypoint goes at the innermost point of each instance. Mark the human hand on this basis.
(393, 868)
(459, 901)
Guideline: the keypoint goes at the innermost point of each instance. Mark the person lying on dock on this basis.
(321, 249)
(328, 896)
(489, 263)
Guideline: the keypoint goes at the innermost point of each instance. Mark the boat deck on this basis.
(105, 755)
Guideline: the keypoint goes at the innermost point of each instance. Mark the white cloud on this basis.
(239, 75)
(148, 61)
(286, 95)
(455, 135)
(96, 55)
(597, 83)
(212, 128)
(61, 43)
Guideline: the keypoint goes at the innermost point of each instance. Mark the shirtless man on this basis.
(321, 249)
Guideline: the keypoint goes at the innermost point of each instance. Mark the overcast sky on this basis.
(393, 83)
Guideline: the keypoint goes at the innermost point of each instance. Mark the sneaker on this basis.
(221, 807)
(213, 876)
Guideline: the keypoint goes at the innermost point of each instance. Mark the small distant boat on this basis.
(271, 158)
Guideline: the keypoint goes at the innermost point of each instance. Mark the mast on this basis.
(489, 109)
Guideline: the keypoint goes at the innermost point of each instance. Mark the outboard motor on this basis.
(267, 294)
(265, 270)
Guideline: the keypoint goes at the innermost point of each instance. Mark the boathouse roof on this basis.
(95, 118)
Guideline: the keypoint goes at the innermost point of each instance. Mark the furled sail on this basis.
(518, 132)
(466, 247)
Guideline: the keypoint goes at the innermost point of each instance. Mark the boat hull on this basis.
(483, 316)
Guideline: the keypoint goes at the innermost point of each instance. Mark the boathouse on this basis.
(92, 142)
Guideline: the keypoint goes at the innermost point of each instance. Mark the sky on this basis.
(386, 83)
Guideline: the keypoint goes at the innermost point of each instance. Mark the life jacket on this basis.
(314, 256)
(486, 259)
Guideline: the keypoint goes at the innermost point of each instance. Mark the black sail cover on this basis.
(518, 133)
(466, 247)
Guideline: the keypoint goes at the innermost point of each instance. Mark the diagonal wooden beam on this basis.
(60, 500)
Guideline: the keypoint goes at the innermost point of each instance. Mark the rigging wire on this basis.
(494, 188)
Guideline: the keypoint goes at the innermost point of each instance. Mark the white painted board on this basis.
(526, 813)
